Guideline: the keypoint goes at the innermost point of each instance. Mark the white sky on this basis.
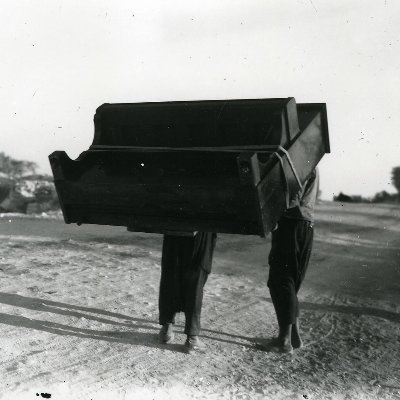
(60, 60)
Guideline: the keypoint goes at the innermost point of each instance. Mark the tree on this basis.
(343, 198)
(382, 197)
(16, 168)
(396, 178)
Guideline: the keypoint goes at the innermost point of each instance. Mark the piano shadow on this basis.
(132, 336)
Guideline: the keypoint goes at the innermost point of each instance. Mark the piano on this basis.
(229, 166)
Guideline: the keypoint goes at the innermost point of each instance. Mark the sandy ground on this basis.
(78, 315)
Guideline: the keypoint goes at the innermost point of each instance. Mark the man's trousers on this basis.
(185, 265)
(288, 260)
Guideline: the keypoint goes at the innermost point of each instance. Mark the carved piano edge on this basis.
(60, 157)
(252, 161)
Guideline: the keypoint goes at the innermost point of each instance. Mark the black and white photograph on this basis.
(200, 200)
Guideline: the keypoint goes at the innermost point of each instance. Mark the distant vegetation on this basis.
(396, 178)
(16, 168)
(380, 197)
(23, 190)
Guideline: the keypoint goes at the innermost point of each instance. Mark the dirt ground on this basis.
(78, 314)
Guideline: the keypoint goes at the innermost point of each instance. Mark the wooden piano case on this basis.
(223, 165)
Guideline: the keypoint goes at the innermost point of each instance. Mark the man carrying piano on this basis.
(185, 265)
(290, 253)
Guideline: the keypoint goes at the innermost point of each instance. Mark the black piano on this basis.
(173, 167)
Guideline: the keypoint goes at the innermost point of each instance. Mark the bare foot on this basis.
(276, 345)
(194, 345)
(296, 340)
(166, 334)
(295, 335)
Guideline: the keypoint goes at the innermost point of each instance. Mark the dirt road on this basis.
(78, 315)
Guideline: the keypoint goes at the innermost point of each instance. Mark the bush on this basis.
(385, 197)
(343, 198)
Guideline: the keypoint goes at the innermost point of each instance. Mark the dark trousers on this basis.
(288, 260)
(185, 265)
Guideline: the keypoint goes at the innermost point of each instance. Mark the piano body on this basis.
(227, 166)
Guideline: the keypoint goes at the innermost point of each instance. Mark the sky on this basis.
(62, 59)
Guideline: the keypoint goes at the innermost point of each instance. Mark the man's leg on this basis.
(195, 281)
(169, 295)
(195, 277)
(281, 281)
(304, 240)
(194, 300)
(284, 300)
(297, 342)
